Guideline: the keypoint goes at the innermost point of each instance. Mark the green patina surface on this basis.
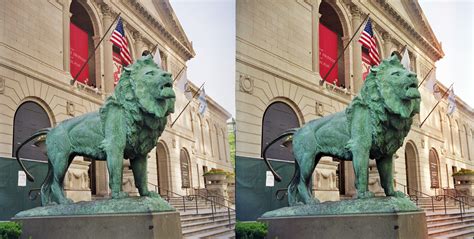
(374, 125)
(126, 126)
(109, 206)
(353, 206)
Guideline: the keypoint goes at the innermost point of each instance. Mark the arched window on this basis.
(82, 45)
(434, 168)
(217, 146)
(29, 117)
(459, 138)
(185, 168)
(162, 161)
(331, 45)
(467, 142)
(277, 118)
(411, 161)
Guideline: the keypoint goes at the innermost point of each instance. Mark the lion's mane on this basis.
(388, 128)
(143, 128)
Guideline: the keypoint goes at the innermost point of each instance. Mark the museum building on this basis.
(42, 46)
(285, 48)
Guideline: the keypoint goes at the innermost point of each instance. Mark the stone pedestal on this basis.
(465, 185)
(324, 180)
(231, 189)
(128, 182)
(132, 217)
(140, 225)
(374, 179)
(76, 181)
(217, 186)
(384, 225)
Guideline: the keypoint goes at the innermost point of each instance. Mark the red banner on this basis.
(117, 67)
(328, 54)
(365, 63)
(79, 44)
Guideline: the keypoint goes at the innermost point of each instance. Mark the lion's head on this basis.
(146, 83)
(391, 85)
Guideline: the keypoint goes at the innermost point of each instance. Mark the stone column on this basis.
(315, 33)
(99, 80)
(66, 35)
(101, 178)
(387, 44)
(139, 44)
(356, 52)
(108, 85)
(324, 180)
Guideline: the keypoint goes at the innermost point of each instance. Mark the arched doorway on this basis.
(331, 45)
(434, 169)
(29, 117)
(82, 45)
(162, 161)
(185, 165)
(277, 118)
(411, 168)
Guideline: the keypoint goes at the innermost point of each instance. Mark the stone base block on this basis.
(327, 195)
(384, 225)
(140, 225)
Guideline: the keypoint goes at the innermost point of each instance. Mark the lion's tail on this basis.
(17, 156)
(293, 195)
(284, 134)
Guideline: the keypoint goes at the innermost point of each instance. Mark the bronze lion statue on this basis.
(374, 125)
(126, 126)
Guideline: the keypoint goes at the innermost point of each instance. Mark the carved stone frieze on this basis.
(246, 84)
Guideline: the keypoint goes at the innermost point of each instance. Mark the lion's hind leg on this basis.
(46, 194)
(54, 188)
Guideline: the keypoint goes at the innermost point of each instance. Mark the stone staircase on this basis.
(204, 222)
(450, 225)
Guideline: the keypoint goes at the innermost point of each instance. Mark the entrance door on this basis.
(411, 160)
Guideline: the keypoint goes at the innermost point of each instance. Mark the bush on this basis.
(215, 171)
(10, 230)
(251, 230)
(463, 172)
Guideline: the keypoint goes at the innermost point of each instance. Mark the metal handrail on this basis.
(215, 195)
(214, 203)
(460, 200)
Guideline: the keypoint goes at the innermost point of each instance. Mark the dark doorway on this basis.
(29, 117)
(277, 118)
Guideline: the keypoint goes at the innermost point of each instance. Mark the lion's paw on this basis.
(151, 194)
(366, 194)
(397, 194)
(119, 195)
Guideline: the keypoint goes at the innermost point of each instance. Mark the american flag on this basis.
(119, 40)
(367, 39)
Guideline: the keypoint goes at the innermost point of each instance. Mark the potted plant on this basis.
(465, 176)
(215, 175)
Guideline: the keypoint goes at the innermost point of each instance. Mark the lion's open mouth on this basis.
(166, 90)
(412, 91)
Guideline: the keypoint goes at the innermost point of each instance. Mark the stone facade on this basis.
(278, 61)
(35, 67)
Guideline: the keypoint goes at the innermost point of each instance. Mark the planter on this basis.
(215, 178)
(464, 179)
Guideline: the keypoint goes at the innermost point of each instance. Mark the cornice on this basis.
(397, 18)
(187, 51)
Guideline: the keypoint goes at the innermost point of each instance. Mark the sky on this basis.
(452, 22)
(210, 25)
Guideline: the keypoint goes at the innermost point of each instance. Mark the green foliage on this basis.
(463, 172)
(231, 136)
(10, 230)
(251, 230)
(215, 171)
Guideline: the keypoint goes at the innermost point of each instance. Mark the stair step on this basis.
(449, 225)
(448, 218)
(211, 229)
(453, 229)
(200, 224)
(198, 218)
(221, 233)
(469, 233)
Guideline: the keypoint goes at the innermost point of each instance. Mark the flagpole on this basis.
(179, 73)
(343, 50)
(436, 104)
(187, 104)
(90, 57)
(425, 77)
